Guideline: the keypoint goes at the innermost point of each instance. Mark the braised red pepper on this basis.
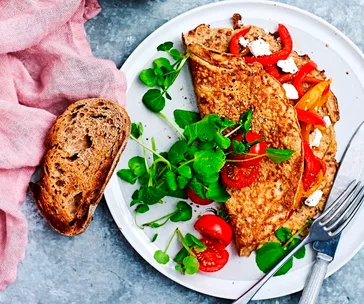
(272, 69)
(326, 90)
(301, 74)
(235, 44)
(280, 55)
(310, 118)
(312, 166)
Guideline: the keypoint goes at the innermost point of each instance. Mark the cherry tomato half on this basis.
(213, 258)
(192, 195)
(214, 227)
(258, 148)
(236, 177)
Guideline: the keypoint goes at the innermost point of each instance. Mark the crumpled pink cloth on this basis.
(45, 64)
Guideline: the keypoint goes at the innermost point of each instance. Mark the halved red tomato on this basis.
(193, 196)
(237, 177)
(214, 227)
(258, 148)
(213, 258)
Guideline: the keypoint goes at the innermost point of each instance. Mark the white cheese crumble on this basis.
(259, 47)
(327, 121)
(244, 42)
(314, 198)
(291, 91)
(315, 138)
(288, 65)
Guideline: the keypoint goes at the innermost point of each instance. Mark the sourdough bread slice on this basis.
(83, 148)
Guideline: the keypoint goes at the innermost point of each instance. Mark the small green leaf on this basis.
(177, 151)
(144, 178)
(166, 46)
(148, 77)
(154, 100)
(158, 72)
(162, 63)
(180, 255)
(197, 187)
(185, 171)
(220, 123)
(170, 179)
(283, 234)
(269, 254)
(142, 208)
(182, 182)
(202, 130)
(179, 193)
(137, 130)
(191, 264)
(137, 165)
(208, 179)
(183, 214)
(191, 241)
(127, 175)
(175, 54)
(154, 237)
(278, 155)
(222, 141)
(137, 194)
(239, 147)
(209, 145)
(161, 257)
(300, 254)
(245, 120)
(184, 118)
(134, 202)
(191, 151)
(160, 81)
(168, 96)
(217, 193)
(152, 195)
(208, 162)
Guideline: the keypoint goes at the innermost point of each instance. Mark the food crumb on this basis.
(169, 137)
(147, 138)
(347, 73)
(186, 98)
(327, 45)
(181, 89)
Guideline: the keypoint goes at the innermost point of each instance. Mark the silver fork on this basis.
(329, 224)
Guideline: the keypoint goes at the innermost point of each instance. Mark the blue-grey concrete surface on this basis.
(100, 266)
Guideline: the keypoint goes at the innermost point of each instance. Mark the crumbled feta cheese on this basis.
(244, 42)
(315, 138)
(288, 65)
(327, 121)
(291, 91)
(314, 198)
(259, 47)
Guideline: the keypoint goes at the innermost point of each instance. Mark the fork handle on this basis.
(314, 283)
(249, 294)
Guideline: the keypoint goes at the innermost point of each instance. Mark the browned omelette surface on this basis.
(225, 85)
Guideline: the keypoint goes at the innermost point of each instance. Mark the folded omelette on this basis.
(228, 86)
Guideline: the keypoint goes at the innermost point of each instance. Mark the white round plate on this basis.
(328, 47)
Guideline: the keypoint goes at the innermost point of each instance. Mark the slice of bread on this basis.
(83, 148)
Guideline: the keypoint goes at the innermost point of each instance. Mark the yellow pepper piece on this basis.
(320, 102)
(312, 95)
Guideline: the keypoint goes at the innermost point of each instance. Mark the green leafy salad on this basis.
(193, 162)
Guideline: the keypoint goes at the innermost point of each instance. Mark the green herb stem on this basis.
(303, 228)
(233, 131)
(161, 115)
(183, 243)
(159, 219)
(135, 221)
(150, 150)
(187, 162)
(170, 240)
(244, 160)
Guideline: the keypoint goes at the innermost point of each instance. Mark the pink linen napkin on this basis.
(45, 64)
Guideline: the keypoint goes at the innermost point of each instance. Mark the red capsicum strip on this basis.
(301, 74)
(272, 69)
(280, 55)
(235, 44)
(312, 166)
(310, 118)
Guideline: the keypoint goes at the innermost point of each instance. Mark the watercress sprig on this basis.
(162, 75)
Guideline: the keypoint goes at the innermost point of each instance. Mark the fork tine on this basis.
(352, 201)
(350, 188)
(353, 212)
(352, 195)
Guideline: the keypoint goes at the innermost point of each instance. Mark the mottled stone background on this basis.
(100, 266)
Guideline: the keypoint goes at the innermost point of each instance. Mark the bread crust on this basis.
(83, 148)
